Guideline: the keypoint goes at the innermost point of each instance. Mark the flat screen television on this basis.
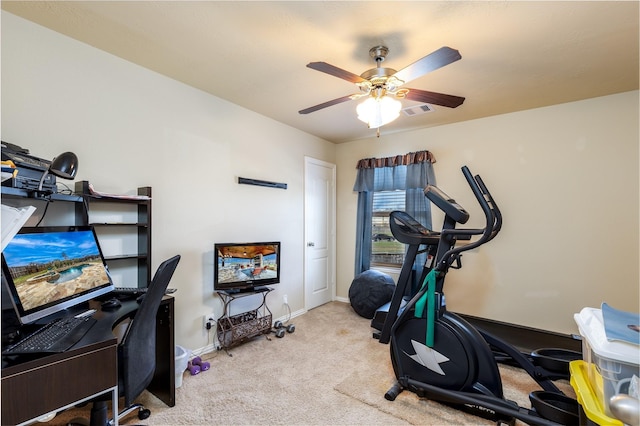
(245, 266)
(50, 269)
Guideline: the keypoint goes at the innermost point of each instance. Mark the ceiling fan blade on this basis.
(326, 104)
(335, 71)
(450, 101)
(438, 59)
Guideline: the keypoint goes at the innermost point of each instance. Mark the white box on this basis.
(611, 364)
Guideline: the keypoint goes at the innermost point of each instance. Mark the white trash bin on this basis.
(182, 359)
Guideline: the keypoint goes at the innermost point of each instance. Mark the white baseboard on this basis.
(204, 350)
(293, 314)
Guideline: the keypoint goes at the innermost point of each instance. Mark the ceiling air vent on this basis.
(417, 110)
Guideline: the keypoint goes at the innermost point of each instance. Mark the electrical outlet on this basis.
(209, 321)
(285, 300)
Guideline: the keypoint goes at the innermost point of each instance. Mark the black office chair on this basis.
(137, 350)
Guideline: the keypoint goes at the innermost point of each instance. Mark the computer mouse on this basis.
(110, 305)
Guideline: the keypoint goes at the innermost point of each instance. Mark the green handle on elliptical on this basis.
(428, 300)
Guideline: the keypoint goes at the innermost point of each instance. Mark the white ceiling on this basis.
(516, 55)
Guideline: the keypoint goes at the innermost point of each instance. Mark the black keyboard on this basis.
(57, 336)
(132, 292)
(129, 291)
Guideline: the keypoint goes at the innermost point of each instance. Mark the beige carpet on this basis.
(328, 372)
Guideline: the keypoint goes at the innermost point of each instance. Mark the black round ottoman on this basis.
(370, 290)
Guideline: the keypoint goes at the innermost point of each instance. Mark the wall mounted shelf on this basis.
(266, 183)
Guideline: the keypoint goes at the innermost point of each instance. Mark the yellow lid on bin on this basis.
(586, 397)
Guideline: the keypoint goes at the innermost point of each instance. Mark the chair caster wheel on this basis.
(291, 328)
(278, 324)
(279, 333)
(144, 413)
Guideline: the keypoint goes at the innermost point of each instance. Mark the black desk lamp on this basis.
(64, 165)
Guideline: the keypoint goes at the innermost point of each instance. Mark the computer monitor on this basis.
(50, 269)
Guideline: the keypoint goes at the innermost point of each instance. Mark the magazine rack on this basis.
(235, 329)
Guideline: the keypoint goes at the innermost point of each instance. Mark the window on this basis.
(396, 183)
(386, 250)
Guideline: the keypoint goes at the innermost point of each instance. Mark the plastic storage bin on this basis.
(182, 359)
(591, 409)
(609, 363)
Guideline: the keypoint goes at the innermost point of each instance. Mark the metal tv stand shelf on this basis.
(235, 329)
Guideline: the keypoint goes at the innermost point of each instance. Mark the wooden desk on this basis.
(37, 386)
(34, 388)
(163, 384)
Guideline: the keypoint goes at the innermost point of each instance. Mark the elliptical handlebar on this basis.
(494, 208)
(491, 229)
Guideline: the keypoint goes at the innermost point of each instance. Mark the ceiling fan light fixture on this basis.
(377, 112)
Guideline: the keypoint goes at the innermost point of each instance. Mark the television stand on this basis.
(252, 290)
(235, 329)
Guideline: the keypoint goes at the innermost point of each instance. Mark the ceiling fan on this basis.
(382, 86)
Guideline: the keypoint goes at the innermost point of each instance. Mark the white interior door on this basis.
(320, 232)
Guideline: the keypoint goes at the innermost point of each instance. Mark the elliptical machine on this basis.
(437, 354)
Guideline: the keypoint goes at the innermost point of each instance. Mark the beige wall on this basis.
(131, 127)
(566, 180)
